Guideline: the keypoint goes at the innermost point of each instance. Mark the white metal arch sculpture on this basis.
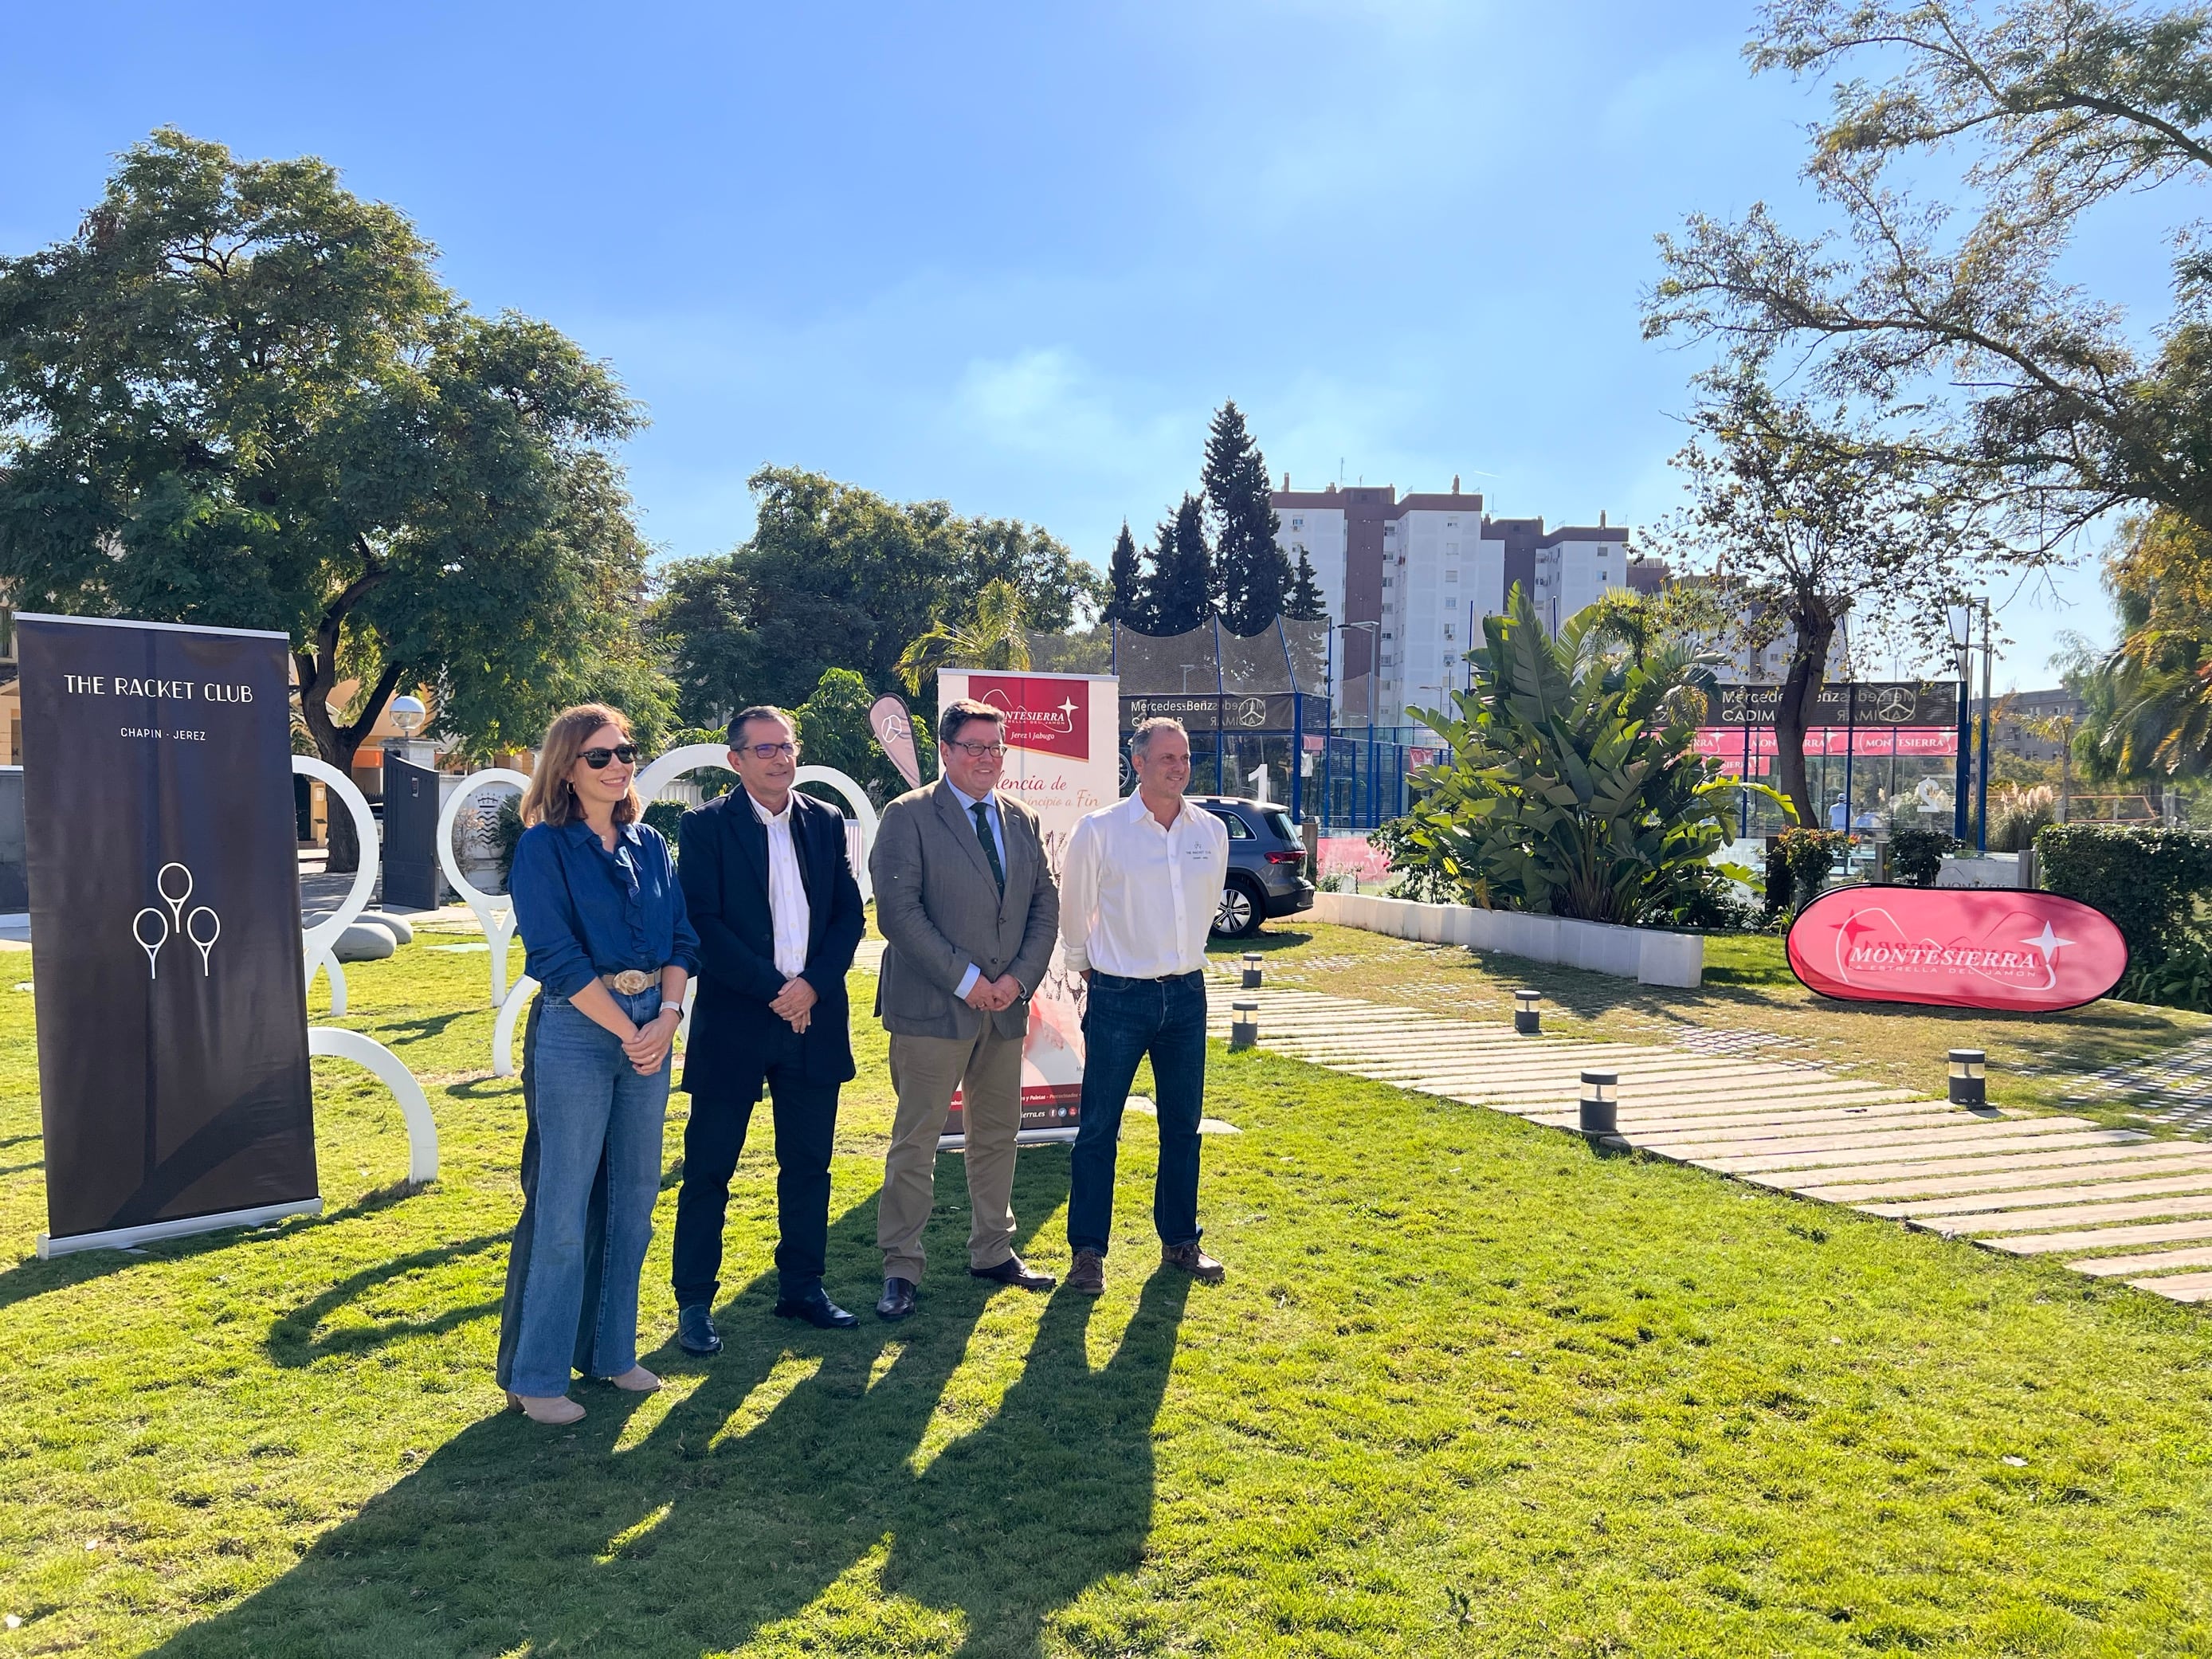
(316, 941)
(496, 911)
(336, 1042)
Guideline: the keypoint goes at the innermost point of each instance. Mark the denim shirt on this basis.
(584, 911)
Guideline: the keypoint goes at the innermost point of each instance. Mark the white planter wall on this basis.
(1646, 955)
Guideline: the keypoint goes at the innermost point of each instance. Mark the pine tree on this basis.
(1179, 594)
(1305, 603)
(1126, 602)
(1250, 573)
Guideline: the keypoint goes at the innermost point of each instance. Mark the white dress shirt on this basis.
(1137, 899)
(968, 803)
(787, 889)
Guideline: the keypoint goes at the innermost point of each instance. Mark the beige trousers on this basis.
(925, 1070)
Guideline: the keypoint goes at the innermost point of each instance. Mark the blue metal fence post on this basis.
(1851, 749)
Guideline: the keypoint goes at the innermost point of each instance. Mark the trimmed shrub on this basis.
(1916, 856)
(667, 816)
(2146, 880)
(1805, 857)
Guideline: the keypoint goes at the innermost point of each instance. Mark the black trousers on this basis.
(805, 1117)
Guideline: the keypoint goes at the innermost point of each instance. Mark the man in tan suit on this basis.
(966, 899)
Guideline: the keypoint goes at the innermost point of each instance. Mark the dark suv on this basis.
(1267, 861)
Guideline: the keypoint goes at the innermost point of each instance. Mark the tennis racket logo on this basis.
(188, 924)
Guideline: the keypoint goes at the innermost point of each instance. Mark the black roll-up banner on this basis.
(165, 928)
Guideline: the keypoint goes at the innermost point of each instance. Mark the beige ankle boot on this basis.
(553, 1409)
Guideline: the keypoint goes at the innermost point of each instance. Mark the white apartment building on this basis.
(1409, 580)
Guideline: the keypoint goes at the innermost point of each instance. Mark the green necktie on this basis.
(990, 846)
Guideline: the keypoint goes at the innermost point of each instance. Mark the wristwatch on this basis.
(675, 1008)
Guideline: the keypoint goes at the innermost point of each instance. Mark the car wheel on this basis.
(1242, 910)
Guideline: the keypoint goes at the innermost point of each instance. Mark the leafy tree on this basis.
(1250, 573)
(1180, 593)
(240, 395)
(1126, 602)
(2149, 701)
(2053, 106)
(995, 636)
(1574, 788)
(1058, 591)
(1799, 514)
(1304, 602)
(836, 576)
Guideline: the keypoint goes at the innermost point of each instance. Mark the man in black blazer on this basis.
(770, 891)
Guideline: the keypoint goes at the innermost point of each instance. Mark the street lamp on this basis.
(1961, 618)
(408, 713)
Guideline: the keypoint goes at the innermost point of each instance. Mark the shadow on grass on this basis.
(488, 1087)
(395, 1031)
(33, 1277)
(799, 1459)
(292, 1342)
(1265, 939)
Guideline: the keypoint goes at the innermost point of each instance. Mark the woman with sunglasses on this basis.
(603, 923)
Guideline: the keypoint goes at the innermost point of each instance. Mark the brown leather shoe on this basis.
(1088, 1275)
(1193, 1262)
(897, 1301)
(1016, 1273)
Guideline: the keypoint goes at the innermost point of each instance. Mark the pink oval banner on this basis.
(1957, 947)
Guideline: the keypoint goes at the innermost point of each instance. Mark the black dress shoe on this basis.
(897, 1300)
(695, 1331)
(1014, 1272)
(818, 1310)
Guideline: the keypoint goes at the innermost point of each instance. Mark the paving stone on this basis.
(2040, 1197)
(2108, 1267)
(2171, 1232)
(2108, 1163)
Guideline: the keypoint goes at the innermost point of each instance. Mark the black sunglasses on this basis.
(597, 759)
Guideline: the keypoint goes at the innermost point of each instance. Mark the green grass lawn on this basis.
(1468, 1388)
(1751, 1001)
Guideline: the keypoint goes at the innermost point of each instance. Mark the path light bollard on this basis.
(1969, 1078)
(1243, 1026)
(1601, 1103)
(1526, 1020)
(1251, 981)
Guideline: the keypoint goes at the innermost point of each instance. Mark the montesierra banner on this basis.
(165, 921)
(1062, 761)
(1956, 948)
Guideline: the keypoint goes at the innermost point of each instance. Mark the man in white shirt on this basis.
(1139, 888)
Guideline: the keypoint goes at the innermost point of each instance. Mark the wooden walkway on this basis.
(2115, 1202)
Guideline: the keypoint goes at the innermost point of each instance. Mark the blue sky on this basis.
(1013, 255)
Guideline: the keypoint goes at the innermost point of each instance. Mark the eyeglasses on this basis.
(768, 751)
(597, 759)
(977, 750)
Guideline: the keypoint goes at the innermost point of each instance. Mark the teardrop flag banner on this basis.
(1957, 947)
(894, 728)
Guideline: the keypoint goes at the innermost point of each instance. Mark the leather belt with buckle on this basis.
(631, 981)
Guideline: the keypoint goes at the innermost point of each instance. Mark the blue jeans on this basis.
(1123, 1021)
(590, 1173)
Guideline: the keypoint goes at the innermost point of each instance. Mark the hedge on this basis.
(2146, 880)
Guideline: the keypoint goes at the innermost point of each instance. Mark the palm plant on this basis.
(995, 636)
(1573, 788)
